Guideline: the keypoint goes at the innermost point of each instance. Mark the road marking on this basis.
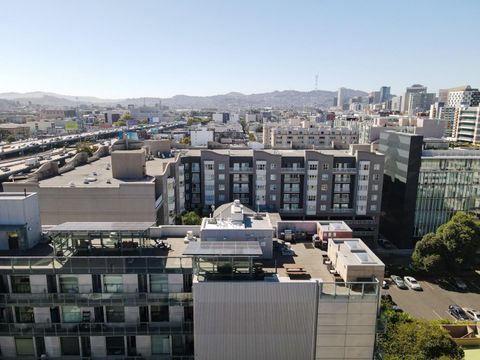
(437, 314)
(430, 286)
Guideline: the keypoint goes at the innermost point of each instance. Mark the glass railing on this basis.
(95, 264)
(351, 289)
(96, 328)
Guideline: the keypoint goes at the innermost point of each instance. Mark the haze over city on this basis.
(119, 49)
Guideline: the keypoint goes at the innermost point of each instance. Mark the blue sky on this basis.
(116, 48)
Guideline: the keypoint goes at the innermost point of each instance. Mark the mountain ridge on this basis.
(228, 101)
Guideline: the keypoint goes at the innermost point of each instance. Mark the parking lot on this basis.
(432, 303)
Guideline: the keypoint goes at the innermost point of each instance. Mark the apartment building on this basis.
(423, 188)
(111, 290)
(466, 126)
(316, 184)
(295, 137)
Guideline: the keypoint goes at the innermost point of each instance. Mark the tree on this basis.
(126, 116)
(452, 247)
(119, 123)
(420, 340)
(251, 137)
(191, 218)
(244, 125)
(428, 254)
(87, 147)
(10, 138)
(186, 140)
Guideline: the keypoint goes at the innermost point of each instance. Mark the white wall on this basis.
(52, 346)
(98, 346)
(201, 137)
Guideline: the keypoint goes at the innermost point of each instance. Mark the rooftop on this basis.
(99, 173)
(334, 226)
(355, 252)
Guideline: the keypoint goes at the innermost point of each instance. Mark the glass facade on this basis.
(445, 186)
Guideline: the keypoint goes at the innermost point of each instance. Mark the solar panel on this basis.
(225, 248)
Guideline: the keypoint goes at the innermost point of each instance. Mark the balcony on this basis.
(241, 190)
(291, 211)
(291, 189)
(243, 179)
(92, 328)
(97, 299)
(289, 179)
(293, 170)
(344, 170)
(248, 170)
(341, 190)
(342, 210)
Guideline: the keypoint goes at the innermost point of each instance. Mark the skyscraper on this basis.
(414, 89)
(384, 94)
(341, 97)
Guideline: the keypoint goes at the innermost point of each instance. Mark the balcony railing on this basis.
(291, 211)
(351, 170)
(97, 299)
(293, 169)
(92, 328)
(241, 170)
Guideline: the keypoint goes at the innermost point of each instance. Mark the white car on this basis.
(472, 314)
(412, 283)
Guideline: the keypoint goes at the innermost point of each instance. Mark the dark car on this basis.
(458, 313)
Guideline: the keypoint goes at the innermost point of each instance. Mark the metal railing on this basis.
(241, 170)
(293, 169)
(351, 170)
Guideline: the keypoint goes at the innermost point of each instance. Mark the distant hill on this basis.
(231, 101)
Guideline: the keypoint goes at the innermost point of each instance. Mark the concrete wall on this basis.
(132, 314)
(128, 164)
(52, 346)
(175, 283)
(130, 283)
(144, 345)
(127, 202)
(98, 346)
(7, 344)
(84, 284)
(41, 314)
(239, 320)
(38, 284)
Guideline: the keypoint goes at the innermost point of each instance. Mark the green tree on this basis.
(191, 218)
(186, 140)
(10, 138)
(119, 123)
(251, 137)
(244, 125)
(452, 247)
(126, 116)
(87, 147)
(428, 254)
(420, 340)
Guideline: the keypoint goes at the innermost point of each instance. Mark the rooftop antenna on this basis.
(316, 81)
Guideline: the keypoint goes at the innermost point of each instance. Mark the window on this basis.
(115, 345)
(208, 166)
(374, 197)
(273, 166)
(313, 166)
(69, 345)
(160, 345)
(20, 284)
(323, 207)
(71, 314)
(376, 177)
(325, 166)
(159, 313)
(323, 197)
(273, 197)
(113, 283)
(311, 198)
(273, 177)
(373, 207)
(24, 314)
(159, 283)
(273, 187)
(376, 167)
(221, 177)
(260, 166)
(324, 187)
(221, 197)
(221, 166)
(375, 187)
(115, 313)
(68, 284)
(221, 187)
(324, 177)
(24, 347)
(366, 167)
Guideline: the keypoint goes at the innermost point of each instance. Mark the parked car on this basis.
(457, 312)
(385, 284)
(473, 314)
(460, 284)
(398, 281)
(5, 168)
(412, 283)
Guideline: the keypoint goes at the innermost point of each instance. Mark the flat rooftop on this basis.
(100, 171)
(334, 226)
(282, 152)
(355, 252)
(249, 222)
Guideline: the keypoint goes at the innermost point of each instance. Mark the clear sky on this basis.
(116, 48)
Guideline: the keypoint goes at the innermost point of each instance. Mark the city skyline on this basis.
(119, 49)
